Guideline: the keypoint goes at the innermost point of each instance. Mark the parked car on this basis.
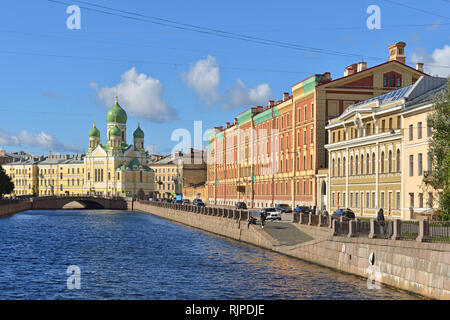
(302, 209)
(186, 201)
(283, 208)
(347, 213)
(198, 202)
(241, 205)
(178, 201)
(271, 213)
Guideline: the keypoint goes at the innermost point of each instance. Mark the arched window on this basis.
(332, 169)
(351, 165)
(398, 160)
(390, 161)
(367, 164)
(343, 166)
(356, 165)
(362, 164)
(382, 162)
(373, 163)
(339, 167)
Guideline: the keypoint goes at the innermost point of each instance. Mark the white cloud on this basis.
(204, 78)
(241, 96)
(140, 96)
(438, 63)
(40, 140)
(152, 149)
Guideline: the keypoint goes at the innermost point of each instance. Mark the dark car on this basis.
(179, 201)
(241, 205)
(346, 213)
(283, 208)
(198, 202)
(186, 201)
(302, 209)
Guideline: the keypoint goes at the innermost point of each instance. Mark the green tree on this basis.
(439, 149)
(6, 185)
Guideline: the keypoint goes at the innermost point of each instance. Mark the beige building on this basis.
(175, 172)
(367, 152)
(419, 199)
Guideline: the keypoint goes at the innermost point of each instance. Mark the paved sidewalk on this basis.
(285, 232)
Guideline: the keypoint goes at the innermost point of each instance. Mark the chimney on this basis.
(327, 76)
(351, 69)
(285, 96)
(361, 66)
(271, 103)
(397, 52)
(228, 125)
(419, 66)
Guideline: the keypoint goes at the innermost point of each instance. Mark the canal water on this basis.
(133, 255)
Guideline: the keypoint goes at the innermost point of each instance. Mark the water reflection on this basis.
(131, 255)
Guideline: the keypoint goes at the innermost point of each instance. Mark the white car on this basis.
(272, 214)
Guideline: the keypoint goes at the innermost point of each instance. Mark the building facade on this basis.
(114, 168)
(272, 155)
(367, 151)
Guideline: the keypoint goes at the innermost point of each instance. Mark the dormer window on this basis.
(392, 80)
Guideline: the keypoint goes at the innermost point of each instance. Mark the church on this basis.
(116, 168)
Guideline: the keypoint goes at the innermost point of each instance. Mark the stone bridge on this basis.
(88, 202)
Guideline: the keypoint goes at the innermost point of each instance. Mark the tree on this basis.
(439, 149)
(6, 185)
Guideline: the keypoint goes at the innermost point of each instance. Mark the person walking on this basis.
(262, 215)
(380, 220)
(325, 215)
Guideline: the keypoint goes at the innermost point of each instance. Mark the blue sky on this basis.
(56, 81)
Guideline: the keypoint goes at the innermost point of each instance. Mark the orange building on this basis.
(272, 155)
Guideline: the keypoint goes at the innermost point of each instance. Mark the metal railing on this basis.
(439, 231)
(409, 230)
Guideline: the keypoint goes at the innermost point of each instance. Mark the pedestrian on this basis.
(380, 220)
(262, 214)
(314, 210)
(325, 215)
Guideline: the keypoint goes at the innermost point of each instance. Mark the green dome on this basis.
(115, 132)
(116, 114)
(94, 132)
(138, 133)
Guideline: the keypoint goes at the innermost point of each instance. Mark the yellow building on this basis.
(419, 199)
(366, 151)
(111, 169)
(177, 171)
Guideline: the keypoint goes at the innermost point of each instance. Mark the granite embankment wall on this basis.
(421, 268)
(9, 209)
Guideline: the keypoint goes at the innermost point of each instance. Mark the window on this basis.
(356, 165)
(312, 110)
(367, 164)
(420, 200)
(362, 164)
(411, 165)
(392, 81)
(411, 132)
(373, 200)
(430, 200)
(351, 165)
(344, 164)
(383, 125)
(419, 165)
(382, 200)
(399, 122)
(373, 163)
(367, 199)
(351, 199)
(356, 200)
(332, 169)
(311, 136)
(382, 162)
(397, 201)
(339, 167)
(411, 200)
(429, 131)
(344, 196)
(419, 130)
(368, 129)
(390, 161)
(397, 159)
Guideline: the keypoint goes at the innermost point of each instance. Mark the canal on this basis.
(133, 255)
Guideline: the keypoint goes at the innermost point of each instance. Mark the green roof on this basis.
(134, 162)
(116, 114)
(138, 133)
(94, 132)
(115, 132)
